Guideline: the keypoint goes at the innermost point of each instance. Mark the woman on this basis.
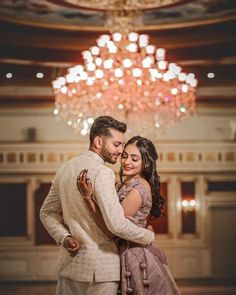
(144, 270)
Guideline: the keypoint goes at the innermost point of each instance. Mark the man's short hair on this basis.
(102, 125)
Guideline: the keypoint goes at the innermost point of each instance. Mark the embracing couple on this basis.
(101, 227)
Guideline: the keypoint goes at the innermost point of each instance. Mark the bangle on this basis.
(88, 198)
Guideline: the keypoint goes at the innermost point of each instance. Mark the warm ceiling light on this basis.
(211, 75)
(9, 75)
(39, 75)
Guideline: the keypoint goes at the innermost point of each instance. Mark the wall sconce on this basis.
(188, 205)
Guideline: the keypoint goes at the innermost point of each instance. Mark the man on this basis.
(95, 268)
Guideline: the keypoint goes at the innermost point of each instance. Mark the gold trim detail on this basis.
(175, 25)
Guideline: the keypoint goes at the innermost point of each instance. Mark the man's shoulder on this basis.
(107, 170)
(85, 161)
(71, 161)
(104, 173)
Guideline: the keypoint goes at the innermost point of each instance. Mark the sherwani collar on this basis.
(93, 155)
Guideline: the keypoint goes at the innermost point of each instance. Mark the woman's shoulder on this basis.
(145, 183)
(142, 183)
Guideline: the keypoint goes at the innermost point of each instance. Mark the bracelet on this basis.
(88, 198)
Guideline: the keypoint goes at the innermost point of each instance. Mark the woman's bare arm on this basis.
(132, 203)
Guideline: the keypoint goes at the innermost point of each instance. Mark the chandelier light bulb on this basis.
(143, 40)
(160, 53)
(84, 75)
(84, 132)
(56, 85)
(76, 70)
(127, 63)
(89, 82)
(150, 49)
(154, 73)
(118, 73)
(174, 91)
(86, 54)
(108, 63)
(162, 65)
(94, 50)
(70, 78)
(99, 74)
(185, 88)
(132, 47)
(133, 37)
(98, 61)
(147, 62)
(137, 72)
(182, 108)
(139, 82)
(193, 83)
(104, 39)
(91, 67)
(77, 79)
(90, 120)
(64, 90)
(182, 77)
(117, 37)
(55, 112)
(112, 48)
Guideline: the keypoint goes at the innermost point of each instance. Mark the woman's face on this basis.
(131, 160)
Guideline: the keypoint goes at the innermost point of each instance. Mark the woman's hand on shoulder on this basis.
(85, 187)
(84, 184)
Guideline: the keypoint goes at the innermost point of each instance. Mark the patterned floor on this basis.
(189, 287)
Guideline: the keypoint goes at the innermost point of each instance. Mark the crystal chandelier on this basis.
(126, 77)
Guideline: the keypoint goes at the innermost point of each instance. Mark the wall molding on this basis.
(173, 157)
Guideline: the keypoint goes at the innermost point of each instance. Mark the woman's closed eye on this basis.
(124, 156)
(134, 160)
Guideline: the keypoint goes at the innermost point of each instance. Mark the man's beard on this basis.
(107, 156)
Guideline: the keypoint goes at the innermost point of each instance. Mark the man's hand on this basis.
(150, 228)
(71, 245)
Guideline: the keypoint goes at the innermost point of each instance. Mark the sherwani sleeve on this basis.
(49, 214)
(113, 213)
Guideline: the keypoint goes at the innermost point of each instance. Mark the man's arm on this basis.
(113, 213)
(49, 214)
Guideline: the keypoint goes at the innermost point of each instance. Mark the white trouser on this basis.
(70, 287)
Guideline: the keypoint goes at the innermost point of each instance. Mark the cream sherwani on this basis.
(97, 259)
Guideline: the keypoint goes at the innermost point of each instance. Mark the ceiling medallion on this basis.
(124, 4)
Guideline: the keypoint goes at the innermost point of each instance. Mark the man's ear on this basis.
(98, 142)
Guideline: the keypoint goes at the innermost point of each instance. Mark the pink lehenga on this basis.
(144, 270)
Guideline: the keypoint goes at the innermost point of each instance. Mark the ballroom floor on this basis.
(187, 287)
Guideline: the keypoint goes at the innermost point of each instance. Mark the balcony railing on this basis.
(173, 157)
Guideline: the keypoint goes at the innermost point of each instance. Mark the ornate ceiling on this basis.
(48, 36)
